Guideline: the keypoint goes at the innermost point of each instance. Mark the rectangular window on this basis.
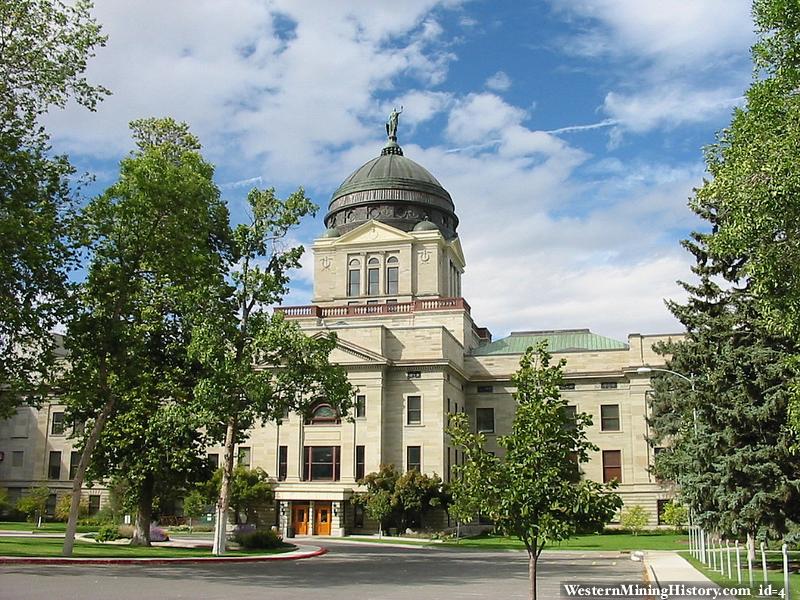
(321, 463)
(359, 462)
(414, 410)
(609, 417)
(413, 458)
(485, 389)
(283, 462)
(570, 418)
(413, 374)
(608, 385)
(213, 461)
(660, 506)
(94, 505)
(484, 419)
(50, 506)
(612, 466)
(392, 278)
(74, 460)
(449, 463)
(57, 426)
(353, 282)
(17, 458)
(243, 458)
(567, 386)
(54, 466)
(373, 276)
(361, 407)
(358, 516)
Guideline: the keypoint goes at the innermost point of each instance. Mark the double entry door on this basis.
(301, 517)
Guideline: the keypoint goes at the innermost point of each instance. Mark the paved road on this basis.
(348, 571)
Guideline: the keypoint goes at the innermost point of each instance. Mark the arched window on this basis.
(323, 414)
(373, 277)
(354, 277)
(392, 275)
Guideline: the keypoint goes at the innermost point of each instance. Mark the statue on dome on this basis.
(391, 124)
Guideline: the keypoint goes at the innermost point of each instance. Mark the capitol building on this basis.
(387, 280)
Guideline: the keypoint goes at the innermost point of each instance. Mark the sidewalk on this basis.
(663, 568)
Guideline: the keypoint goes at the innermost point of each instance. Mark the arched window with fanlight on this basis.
(392, 275)
(323, 414)
(354, 277)
(373, 276)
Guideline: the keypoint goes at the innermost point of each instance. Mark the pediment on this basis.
(372, 232)
(455, 245)
(348, 353)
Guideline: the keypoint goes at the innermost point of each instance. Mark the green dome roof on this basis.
(425, 226)
(394, 190)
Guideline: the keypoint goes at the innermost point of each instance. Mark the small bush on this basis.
(125, 531)
(107, 533)
(157, 534)
(260, 539)
(676, 515)
(634, 519)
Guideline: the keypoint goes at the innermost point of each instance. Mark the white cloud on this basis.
(481, 116)
(499, 82)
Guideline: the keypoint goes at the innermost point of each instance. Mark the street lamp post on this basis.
(690, 379)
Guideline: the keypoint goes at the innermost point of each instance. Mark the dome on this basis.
(425, 226)
(331, 232)
(395, 190)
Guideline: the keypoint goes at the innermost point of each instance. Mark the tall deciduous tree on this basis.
(258, 365)
(44, 48)
(157, 240)
(530, 492)
(755, 180)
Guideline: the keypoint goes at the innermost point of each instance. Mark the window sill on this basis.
(415, 425)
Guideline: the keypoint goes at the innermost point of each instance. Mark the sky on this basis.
(569, 133)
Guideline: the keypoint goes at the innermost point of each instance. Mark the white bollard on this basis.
(764, 562)
(786, 590)
(738, 564)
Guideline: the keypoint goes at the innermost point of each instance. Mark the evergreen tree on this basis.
(728, 442)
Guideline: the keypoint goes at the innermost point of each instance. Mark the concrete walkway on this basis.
(663, 568)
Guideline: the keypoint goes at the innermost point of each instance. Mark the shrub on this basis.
(107, 533)
(63, 505)
(33, 503)
(259, 539)
(157, 534)
(676, 515)
(125, 531)
(634, 519)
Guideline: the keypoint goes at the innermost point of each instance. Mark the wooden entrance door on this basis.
(300, 519)
(322, 518)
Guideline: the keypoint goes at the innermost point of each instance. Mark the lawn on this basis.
(620, 542)
(54, 527)
(21, 546)
(774, 575)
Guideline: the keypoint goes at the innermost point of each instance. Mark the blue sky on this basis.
(569, 133)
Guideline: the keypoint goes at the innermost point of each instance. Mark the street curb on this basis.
(56, 560)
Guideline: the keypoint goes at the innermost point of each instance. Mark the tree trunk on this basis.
(141, 530)
(532, 558)
(77, 482)
(225, 489)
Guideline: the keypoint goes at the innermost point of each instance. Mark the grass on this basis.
(54, 527)
(21, 546)
(774, 575)
(620, 542)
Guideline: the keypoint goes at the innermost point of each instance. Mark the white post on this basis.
(738, 564)
(711, 555)
(721, 558)
(703, 543)
(785, 551)
(764, 562)
(728, 555)
(750, 553)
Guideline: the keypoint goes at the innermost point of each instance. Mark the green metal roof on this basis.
(561, 340)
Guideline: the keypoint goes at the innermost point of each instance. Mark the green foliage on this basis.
(755, 182)
(530, 491)
(62, 507)
(260, 539)
(195, 505)
(5, 504)
(33, 503)
(44, 50)
(634, 519)
(251, 492)
(676, 515)
(107, 533)
(402, 497)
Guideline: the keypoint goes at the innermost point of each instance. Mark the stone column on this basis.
(338, 518)
(284, 517)
(311, 518)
